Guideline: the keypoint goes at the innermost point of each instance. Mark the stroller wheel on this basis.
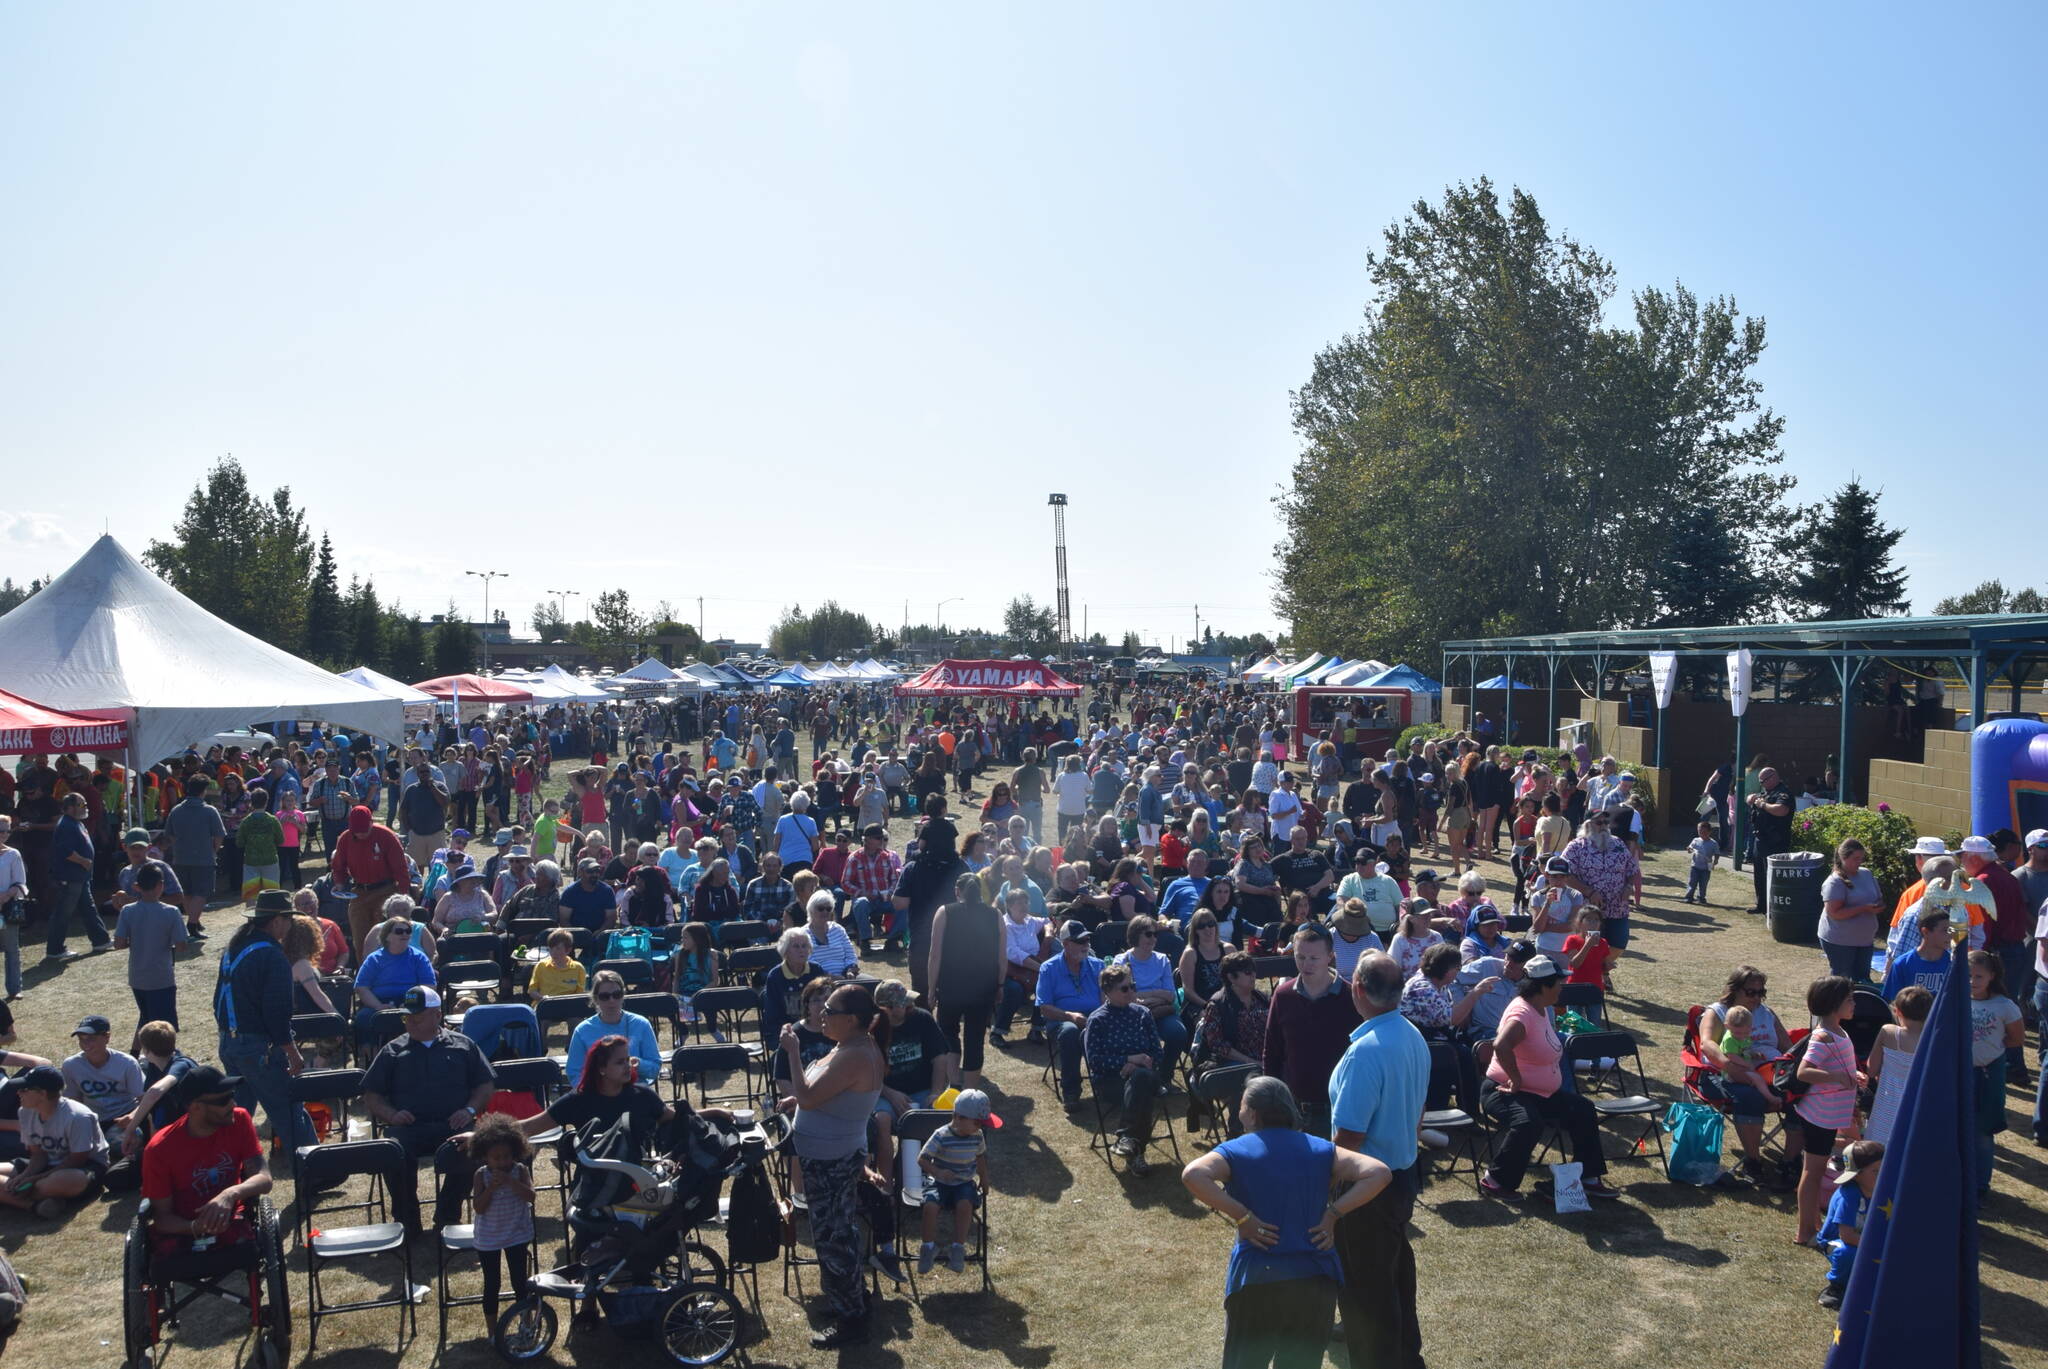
(701, 1262)
(525, 1330)
(701, 1324)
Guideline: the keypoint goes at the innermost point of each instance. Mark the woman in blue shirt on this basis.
(610, 1018)
(1273, 1183)
(386, 973)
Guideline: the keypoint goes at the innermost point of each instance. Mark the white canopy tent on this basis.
(418, 704)
(107, 638)
(572, 686)
(649, 669)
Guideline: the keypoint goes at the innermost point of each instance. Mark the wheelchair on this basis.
(156, 1288)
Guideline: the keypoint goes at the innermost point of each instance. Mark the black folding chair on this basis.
(309, 1028)
(741, 964)
(387, 1025)
(660, 1009)
(1606, 1086)
(739, 1008)
(531, 931)
(479, 977)
(1461, 1119)
(1109, 1104)
(742, 932)
(1272, 968)
(1111, 938)
(637, 973)
(697, 1064)
(1220, 1090)
(566, 1009)
(466, 946)
(451, 1240)
(1590, 1000)
(542, 1079)
(331, 1165)
(913, 1129)
(334, 1090)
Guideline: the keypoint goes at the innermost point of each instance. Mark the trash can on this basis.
(1794, 896)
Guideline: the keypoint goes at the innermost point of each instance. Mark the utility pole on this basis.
(487, 576)
(1198, 628)
(700, 617)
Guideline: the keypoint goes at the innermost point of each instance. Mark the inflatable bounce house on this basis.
(2009, 775)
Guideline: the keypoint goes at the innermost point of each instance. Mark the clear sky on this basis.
(770, 303)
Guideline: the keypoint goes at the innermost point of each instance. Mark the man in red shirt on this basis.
(371, 858)
(871, 877)
(201, 1170)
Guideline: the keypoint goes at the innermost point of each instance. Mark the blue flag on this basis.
(1912, 1297)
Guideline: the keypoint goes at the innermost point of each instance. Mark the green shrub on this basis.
(1419, 732)
(1884, 834)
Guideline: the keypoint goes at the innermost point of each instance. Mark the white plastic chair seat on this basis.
(1447, 1119)
(459, 1237)
(545, 1138)
(340, 1243)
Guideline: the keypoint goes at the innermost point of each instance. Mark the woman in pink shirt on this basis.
(1831, 1078)
(1524, 1089)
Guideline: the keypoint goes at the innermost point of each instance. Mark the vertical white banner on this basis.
(1740, 666)
(1664, 676)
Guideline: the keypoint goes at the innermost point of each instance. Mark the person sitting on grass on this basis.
(65, 1148)
(1124, 1050)
(955, 1164)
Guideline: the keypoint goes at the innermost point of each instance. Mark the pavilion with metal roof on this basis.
(1984, 648)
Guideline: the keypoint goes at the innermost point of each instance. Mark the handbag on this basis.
(1696, 1131)
(14, 911)
(1706, 807)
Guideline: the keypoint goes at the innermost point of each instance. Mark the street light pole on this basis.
(939, 613)
(487, 576)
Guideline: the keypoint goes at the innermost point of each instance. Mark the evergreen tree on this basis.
(328, 638)
(13, 596)
(365, 624)
(405, 649)
(455, 644)
(1706, 576)
(1845, 552)
(243, 559)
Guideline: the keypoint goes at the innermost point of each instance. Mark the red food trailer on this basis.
(1363, 722)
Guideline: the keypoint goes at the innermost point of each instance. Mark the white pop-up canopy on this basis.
(109, 639)
(572, 686)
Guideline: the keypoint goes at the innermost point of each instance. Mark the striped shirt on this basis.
(1829, 1105)
(952, 1155)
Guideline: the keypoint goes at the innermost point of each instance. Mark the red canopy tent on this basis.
(474, 689)
(1004, 679)
(28, 729)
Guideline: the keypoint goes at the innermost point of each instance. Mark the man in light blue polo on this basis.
(1182, 896)
(1376, 1101)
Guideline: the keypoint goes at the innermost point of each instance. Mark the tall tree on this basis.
(13, 596)
(366, 625)
(455, 644)
(1991, 597)
(1488, 456)
(548, 623)
(617, 625)
(1845, 565)
(328, 638)
(1028, 624)
(1706, 576)
(405, 651)
(826, 631)
(244, 559)
(1131, 645)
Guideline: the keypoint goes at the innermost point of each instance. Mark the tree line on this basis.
(1489, 455)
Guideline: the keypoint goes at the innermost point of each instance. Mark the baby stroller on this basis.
(631, 1266)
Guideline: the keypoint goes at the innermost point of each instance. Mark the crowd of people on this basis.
(1142, 885)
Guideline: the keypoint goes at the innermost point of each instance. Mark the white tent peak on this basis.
(110, 639)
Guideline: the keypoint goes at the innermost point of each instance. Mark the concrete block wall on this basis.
(1935, 794)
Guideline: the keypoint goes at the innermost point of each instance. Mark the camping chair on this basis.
(1702, 1081)
(1607, 1089)
(1460, 1119)
(509, 1031)
(913, 1129)
(332, 1165)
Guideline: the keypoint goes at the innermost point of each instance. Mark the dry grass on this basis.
(1091, 1268)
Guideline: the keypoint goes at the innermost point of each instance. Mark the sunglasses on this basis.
(1755, 993)
(831, 1011)
(609, 997)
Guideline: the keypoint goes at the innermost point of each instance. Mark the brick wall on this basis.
(1936, 793)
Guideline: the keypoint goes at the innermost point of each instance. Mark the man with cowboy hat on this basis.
(252, 1003)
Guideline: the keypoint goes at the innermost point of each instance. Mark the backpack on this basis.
(1696, 1135)
(630, 943)
(753, 1221)
(1785, 1072)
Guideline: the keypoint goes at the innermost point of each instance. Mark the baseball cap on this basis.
(135, 836)
(589, 863)
(92, 1024)
(1427, 877)
(974, 1103)
(45, 1078)
(1486, 913)
(1543, 967)
(459, 834)
(2038, 837)
(203, 1081)
(1557, 865)
(419, 998)
(1075, 930)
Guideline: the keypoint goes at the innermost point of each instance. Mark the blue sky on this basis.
(776, 303)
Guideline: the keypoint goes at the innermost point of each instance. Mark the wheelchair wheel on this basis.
(525, 1330)
(277, 1293)
(137, 1344)
(701, 1262)
(701, 1324)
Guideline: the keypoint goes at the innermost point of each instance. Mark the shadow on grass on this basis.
(2012, 1319)
(987, 1321)
(1038, 1172)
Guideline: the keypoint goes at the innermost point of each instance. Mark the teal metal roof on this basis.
(1927, 636)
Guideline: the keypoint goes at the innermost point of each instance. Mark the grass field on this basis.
(1095, 1269)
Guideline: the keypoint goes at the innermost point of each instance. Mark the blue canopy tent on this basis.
(1405, 677)
(791, 677)
(1502, 682)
